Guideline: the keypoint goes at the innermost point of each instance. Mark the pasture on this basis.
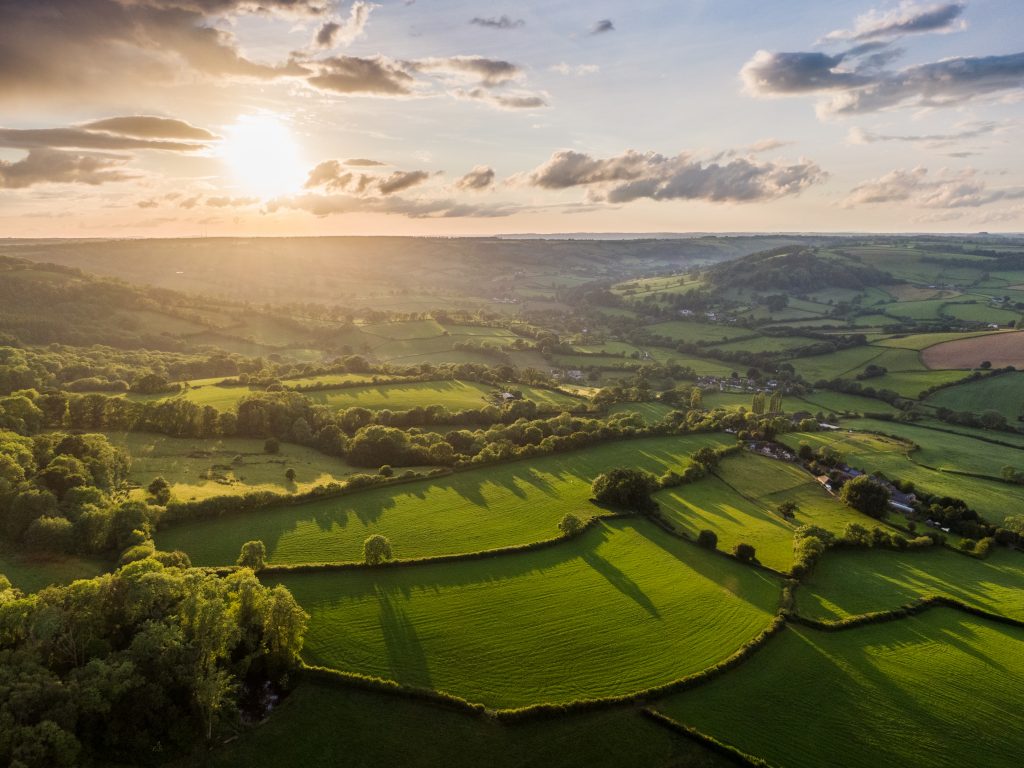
(847, 582)
(423, 735)
(543, 626)
(453, 395)
(740, 504)
(498, 506)
(682, 330)
(930, 690)
(1003, 393)
(30, 572)
(198, 468)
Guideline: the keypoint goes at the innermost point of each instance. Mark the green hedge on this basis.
(725, 750)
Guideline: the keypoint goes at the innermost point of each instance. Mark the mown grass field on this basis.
(198, 468)
(836, 364)
(498, 506)
(454, 395)
(619, 609)
(931, 690)
(682, 330)
(386, 731)
(873, 453)
(740, 504)
(840, 402)
(848, 582)
(31, 572)
(1003, 393)
(652, 412)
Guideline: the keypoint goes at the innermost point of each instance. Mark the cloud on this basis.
(634, 175)
(853, 90)
(967, 131)
(332, 176)
(489, 72)
(919, 187)
(354, 75)
(767, 145)
(50, 166)
(504, 100)
(480, 178)
(362, 162)
(579, 70)
(230, 202)
(327, 205)
(908, 19)
(602, 26)
(501, 22)
(60, 49)
(148, 127)
(334, 33)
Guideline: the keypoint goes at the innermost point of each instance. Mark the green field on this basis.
(454, 395)
(765, 344)
(849, 582)
(1003, 393)
(422, 735)
(982, 312)
(740, 504)
(198, 468)
(682, 330)
(29, 572)
(938, 689)
(911, 384)
(835, 365)
(545, 626)
(993, 500)
(652, 412)
(839, 402)
(921, 341)
(507, 504)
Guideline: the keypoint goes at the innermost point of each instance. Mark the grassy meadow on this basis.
(30, 572)
(498, 506)
(543, 626)
(930, 690)
(1003, 393)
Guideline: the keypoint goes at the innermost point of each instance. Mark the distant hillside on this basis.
(796, 269)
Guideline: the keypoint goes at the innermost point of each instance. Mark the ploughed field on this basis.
(508, 504)
(545, 626)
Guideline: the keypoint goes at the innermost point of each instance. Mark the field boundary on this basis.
(727, 751)
(894, 614)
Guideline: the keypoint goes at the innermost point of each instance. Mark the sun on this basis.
(263, 155)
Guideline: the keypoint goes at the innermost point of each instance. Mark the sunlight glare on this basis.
(263, 156)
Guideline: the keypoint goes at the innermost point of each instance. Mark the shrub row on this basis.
(725, 750)
(903, 611)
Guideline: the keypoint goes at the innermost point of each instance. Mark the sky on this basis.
(159, 118)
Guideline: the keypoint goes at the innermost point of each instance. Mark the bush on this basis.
(708, 539)
(53, 534)
(272, 445)
(570, 525)
(160, 490)
(289, 475)
(745, 552)
(385, 470)
(629, 488)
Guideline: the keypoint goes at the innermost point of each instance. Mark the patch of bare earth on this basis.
(1000, 349)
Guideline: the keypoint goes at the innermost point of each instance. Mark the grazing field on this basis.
(932, 690)
(981, 312)
(835, 365)
(329, 379)
(512, 503)
(31, 572)
(921, 341)
(840, 402)
(423, 735)
(850, 582)
(740, 502)
(930, 309)
(1003, 393)
(765, 344)
(1000, 349)
(873, 453)
(910, 384)
(544, 626)
(948, 452)
(682, 330)
(199, 468)
(454, 395)
(651, 412)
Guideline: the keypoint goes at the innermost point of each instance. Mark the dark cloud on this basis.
(504, 100)
(480, 178)
(76, 138)
(148, 127)
(62, 48)
(332, 176)
(350, 74)
(50, 166)
(855, 90)
(326, 34)
(908, 19)
(489, 72)
(501, 22)
(635, 175)
(918, 186)
(602, 26)
(401, 180)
